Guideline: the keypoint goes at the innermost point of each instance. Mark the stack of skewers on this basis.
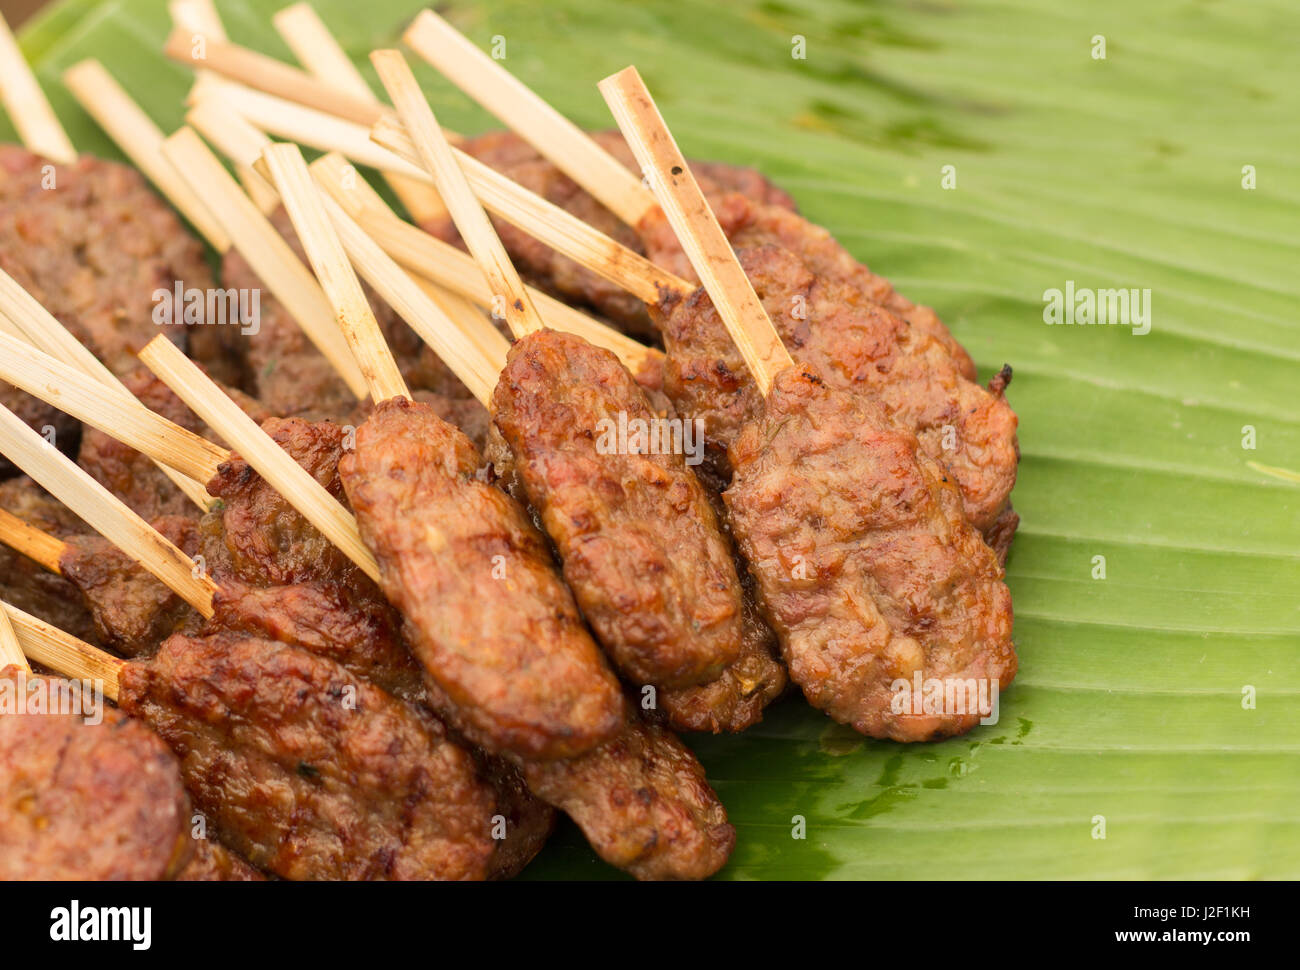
(372, 591)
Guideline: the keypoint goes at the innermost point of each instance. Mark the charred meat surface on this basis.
(509, 154)
(749, 224)
(133, 611)
(308, 771)
(637, 537)
(79, 800)
(354, 627)
(854, 345)
(499, 636)
(96, 248)
(895, 582)
(643, 803)
(255, 535)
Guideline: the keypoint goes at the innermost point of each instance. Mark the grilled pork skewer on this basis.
(677, 828)
(101, 800)
(162, 559)
(859, 345)
(255, 722)
(866, 566)
(637, 539)
(89, 794)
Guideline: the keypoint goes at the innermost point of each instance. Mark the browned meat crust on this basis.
(854, 344)
(92, 247)
(643, 802)
(213, 862)
(736, 700)
(310, 772)
(31, 587)
(507, 657)
(86, 801)
(92, 243)
(256, 536)
(133, 611)
(867, 568)
(544, 267)
(353, 627)
(750, 224)
(637, 537)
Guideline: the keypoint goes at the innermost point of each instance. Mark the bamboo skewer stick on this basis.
(28, 109)
(237, 138)
(355, 197)
(231, 135)
(433, 259)
(26, 319)
(389, 149)
(696, 227)
(270, 256)
(133, 131)
(475, 228)
(306, 209)
(266, 457)
(473, 351)
(120, 416)
(40, 547)
(62, 652)
(313, 128)
(11, 651)
(559, 229)
(554, 136)
(201, 19)
(319, 52)
(267, 74)
(103, 511)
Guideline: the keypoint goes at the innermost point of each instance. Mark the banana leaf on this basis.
(982, 154)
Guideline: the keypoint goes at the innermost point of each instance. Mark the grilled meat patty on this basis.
(637, 538)
(493, 625)
(80, 800)
(133, 611)
(505, 653)
(750, 223)
(311, 772)
(866, 565)
(643, 802)
(855, 345)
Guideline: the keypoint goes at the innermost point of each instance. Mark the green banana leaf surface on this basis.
(981, 154)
